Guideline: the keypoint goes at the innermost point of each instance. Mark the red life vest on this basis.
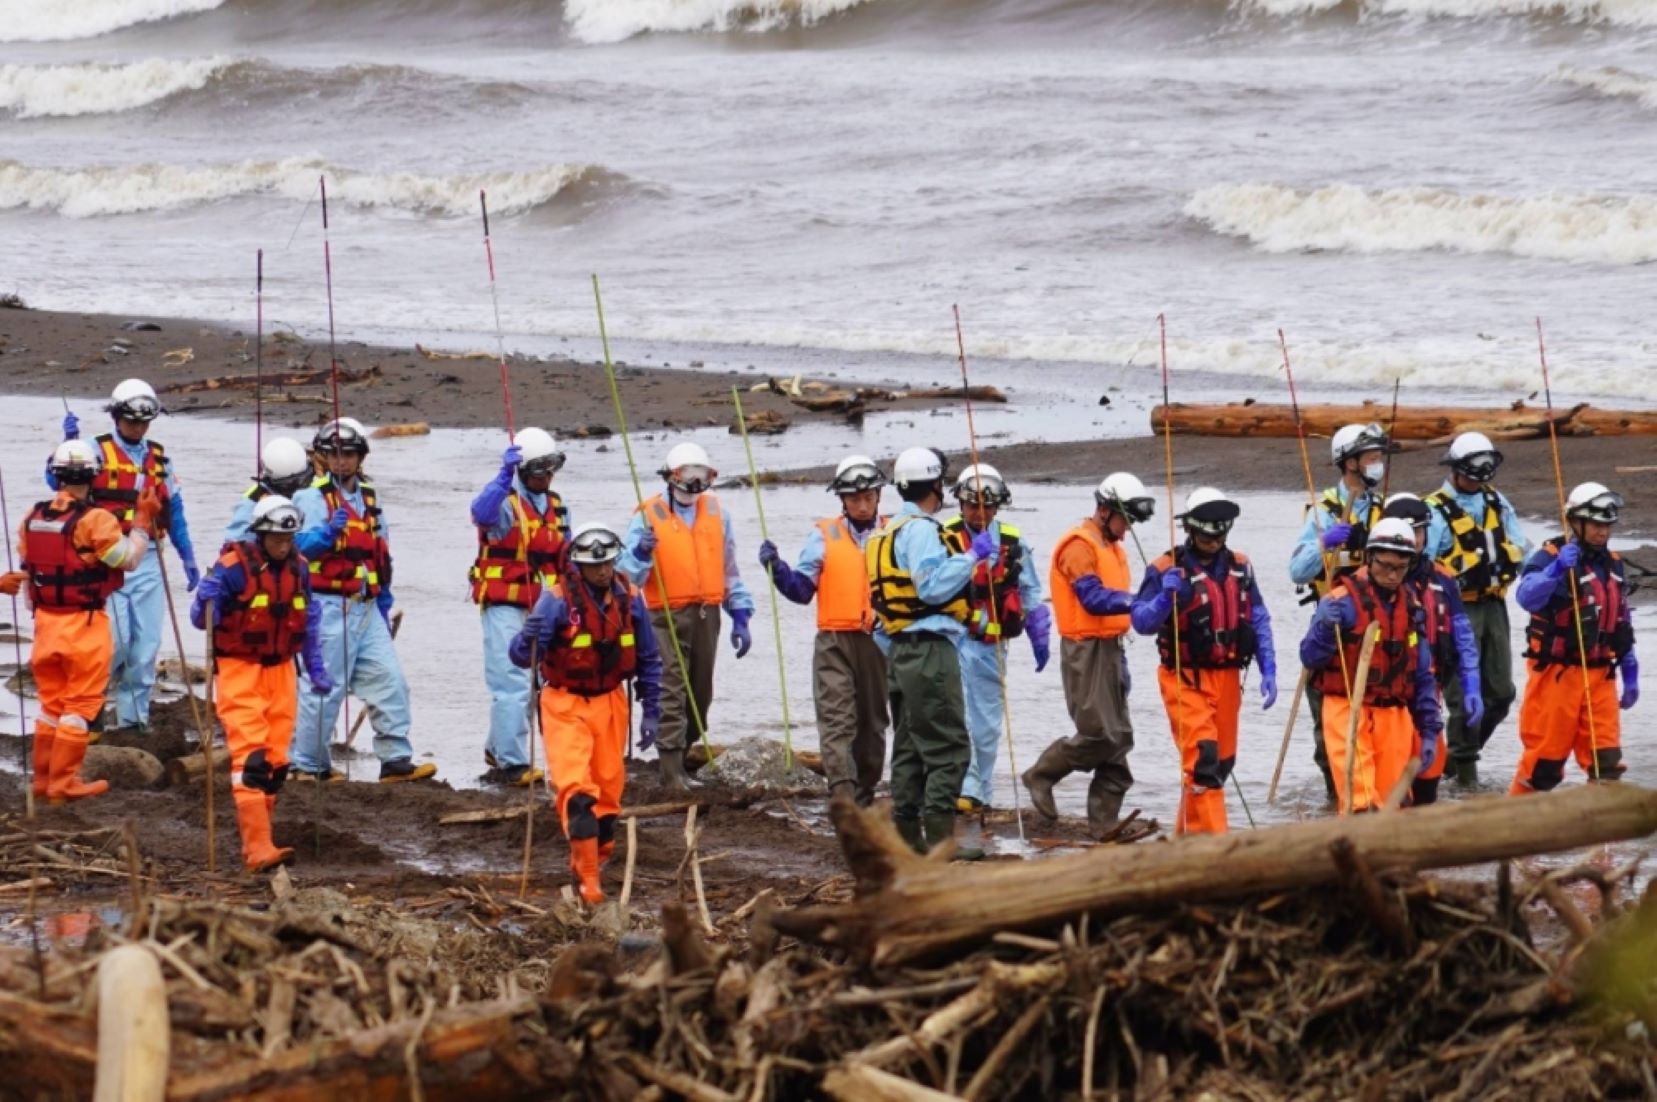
(1550, 637)
(512, 569)
(60, 578)
(265, 622)
(1432, 589)
(1008, 613)
(116, 486)
(360, 560)
(1216, 626)
(1393, 664)
(596, 651)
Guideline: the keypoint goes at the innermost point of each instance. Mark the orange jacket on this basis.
(691, 558)
(1110, 563)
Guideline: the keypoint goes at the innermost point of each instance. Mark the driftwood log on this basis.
(1423, 423)
(910, 907)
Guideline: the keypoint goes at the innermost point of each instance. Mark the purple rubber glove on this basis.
(1336, 536)
(71, 426)
(1038, 625)
(984, 545)
(1472, 702)
(649, 728)
(741, 638)
(645, 549)
(1630, 667)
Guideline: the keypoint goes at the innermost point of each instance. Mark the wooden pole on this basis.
(1288, 729)
(195, 706)
(1355, 710)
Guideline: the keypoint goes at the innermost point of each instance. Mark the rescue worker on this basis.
(1332, 539)
(848, 671)
(1475, 533)
(590, 632)
(1449, 634)
(1208, 592)
(74, 556)
(1398, 715)
(1092, 600)
(284, 470)
(683, 537)
(522, 524)
(130, 463)
(919, 592)
(346, 545)
(1560, 715)
(1007, 590)
(262, 620)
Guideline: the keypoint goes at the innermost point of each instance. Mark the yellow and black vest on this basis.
(892, 590)
(1482, 555)
(1345, 560)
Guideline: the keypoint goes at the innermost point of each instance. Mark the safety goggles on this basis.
(989, 491)
(1135, 510)
(544, 467)
(284, 521)
(1604, 509)
(75, 474)
(1480, 467)
(137, 409)
(343, 442)
(691, 479)
(1216, 528)
(858, 479)
(595, 549)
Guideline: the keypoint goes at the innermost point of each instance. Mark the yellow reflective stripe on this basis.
(299, 602)
(492, 572)
(316, 566)
(582, 640)
(627, 639)
(261, 601)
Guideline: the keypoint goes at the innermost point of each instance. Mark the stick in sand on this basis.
(26, 739)
(356, 724)
(1355, 702)
(1288, 729)
(534, 735)
(771, 589)
(205, 729)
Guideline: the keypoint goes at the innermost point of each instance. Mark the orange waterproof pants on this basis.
(1202, 711)
(1386, 740)
(70, 660)
(257, 705)
(1554, 726)
(586, 744)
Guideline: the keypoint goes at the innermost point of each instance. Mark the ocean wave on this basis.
(109, 190)
(61, 91)
(1606, 229)
(44, 21)
(1622, 12)
(600, 21)
(1611, 82)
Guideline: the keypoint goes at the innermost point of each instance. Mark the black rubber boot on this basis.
(672, 764)
(1040, 778)
(1104, 808)
(940, 829)
(1467, 773)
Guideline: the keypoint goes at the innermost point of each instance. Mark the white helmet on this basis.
(76, 463)
(284, 464)
(343, 435)
(1593, 501)
(1391, 534)
(1408, 507)
(540, 454)
(855, 474)
(917, 467)
(688, 468)
(595, 543)
(1209, 511)
(1473, 456)
(982, 475)
(275, 513)
(1352, 440)
(1127, 495)
(134, 400)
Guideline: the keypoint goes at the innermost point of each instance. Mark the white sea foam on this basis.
(54, 20)
(600, 21)
(1612, 82)
(1606, 229)
(1623, 12)
(107, 190)
(30, 91)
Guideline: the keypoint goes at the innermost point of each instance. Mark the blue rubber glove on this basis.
(649, 728)
(646, 547)
(1100, 600)
(384, 602)
(192, 575)
(1429, 751)
(208, 593)
(337, 523)
(1472, 703)
(71, 426)
(1268, 690)
(1630, 667)
(535, 627)
(1336, 535)
(1566, 560)
(510, 459)
(984, 545)
(741, 639)
(1174, 584)
(1038, 625)
(316, 669)
(1332, 611)
(767, 553)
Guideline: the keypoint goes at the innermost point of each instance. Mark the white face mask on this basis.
(1373, 473)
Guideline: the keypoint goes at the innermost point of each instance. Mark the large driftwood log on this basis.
(909, 907)
(1424, 423)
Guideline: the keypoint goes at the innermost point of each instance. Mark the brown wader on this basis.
(1091, 670)
(849, 684)
(698, 630)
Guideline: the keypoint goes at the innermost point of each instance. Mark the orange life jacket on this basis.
(1550, 637)
(116, 486)
(359, 563)
(690, 557)
(843, 587)
(265, 622)
(1393, 663)
(60, 578)
(1216, 629)
(512, 569)
(1110, 564)
(597, 650)
(1007, 617)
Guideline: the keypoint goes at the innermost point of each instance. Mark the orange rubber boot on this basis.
(45, 735)
(584, 863)
(605, 849)
(68, 751)
(253, 815)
